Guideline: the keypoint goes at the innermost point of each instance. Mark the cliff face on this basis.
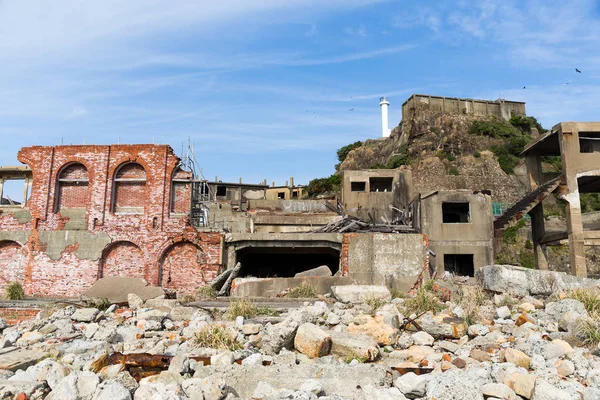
(443, 155)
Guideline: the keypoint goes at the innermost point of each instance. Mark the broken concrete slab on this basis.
(524, 281)
(360, 293)
(272, 287)
(323, 270)
(13, 358)
(16, 389)
(116, 289)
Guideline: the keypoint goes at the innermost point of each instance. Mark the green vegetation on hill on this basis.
(343, 152)
(323, 185)
(402, 157)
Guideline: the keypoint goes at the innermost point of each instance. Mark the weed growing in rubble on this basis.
(353, 356)
(397, 294)
(187, 298)
(423, 301)
(101, 303)
(216, 337)
(206, 292)
(506, 300)
(268, 311)
(471, 302)
(242, 307)
(14, 291)
(588, 330)
(590, 300)
(303, 291)
(374, 303)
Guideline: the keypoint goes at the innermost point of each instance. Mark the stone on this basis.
(591, 393)
(556, 309)
(181, 313)
(212, 387)
(452, 385)
(564, 367)
(423, 339)
(77, 385)
(23, 390)
(443, 326)
(345, 344)
(134, 301)
(545, 391)
(526, 307)
(411, 385)
(281, 335)
(152, 315)
(312, 341)
(360, 293)
(180, 364)
(117, 288)
(378, 393)
(85, 314)
(223, 358)
(480, 355)
(524, 384)
(313, 386)
(448, 346)
(503, 312)
(459, 363)
(524, 281)
(251, 329)
(29, 338)
(517, 357)
(524, 319)
(111, 390)
(374, 326)
(323, 270)
(254, 359)
(498, 390)
(478, 330)
(13, 359)
(568, 321)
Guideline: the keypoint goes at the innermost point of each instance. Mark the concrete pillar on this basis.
(1, 187)
(576, 237)
(538, 232)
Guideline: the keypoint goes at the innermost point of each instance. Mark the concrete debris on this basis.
(336, 350)
(323, 270)
(116, 289)
(360, 293)
(227, 285)
(350, 224)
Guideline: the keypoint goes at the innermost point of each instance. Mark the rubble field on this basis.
(359, 342)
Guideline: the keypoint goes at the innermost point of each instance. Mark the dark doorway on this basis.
(459, 264)
(285, 262)
(453, 213)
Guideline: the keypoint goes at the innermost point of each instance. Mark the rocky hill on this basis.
(453, 151)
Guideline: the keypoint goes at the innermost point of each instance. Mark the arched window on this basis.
(129, 193)
(72, 187)
(181, 192)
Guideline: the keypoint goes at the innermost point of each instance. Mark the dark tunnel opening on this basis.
(285, 262)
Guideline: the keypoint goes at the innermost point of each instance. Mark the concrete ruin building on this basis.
(578, 145)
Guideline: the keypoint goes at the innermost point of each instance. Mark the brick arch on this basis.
(122, 258)
(129, 188)
(13, 261)
(182, 266)
(72, 187)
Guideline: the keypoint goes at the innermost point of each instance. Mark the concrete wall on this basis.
(500, 108)
(289, 193)
(395, 260)
(474, 237)
(58, 251)
(361, 203)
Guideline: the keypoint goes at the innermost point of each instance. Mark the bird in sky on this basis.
(524, 87)
(352, 109)
(576, 70)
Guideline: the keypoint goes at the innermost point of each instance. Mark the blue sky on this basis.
(264, 88)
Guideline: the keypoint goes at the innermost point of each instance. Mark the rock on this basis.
(377, 393)
(411, 385)
(423, 338)
(117, 288)
(111, 390)
(453, 385)
(405, 340)
(223, 358)
(524, 384)
(46, 370)
(180, 364)
(556, 309)
(459, 363)
(591, 393)
(210, 388)
(360, 293)
(526, 307)
(448, 346)
(152, 315)
(480, 355)
(254, 359)
(564, 367)
(313, 386)
(281, 335)
(251, 329)
(503, 312)
(384, 334)
(135, 302)
(181, 313)
(478, 330)
(443, 325)
(545, 391)
(85, 314)
(29, 338)
(77, 385)
(323, 270)
(312, 341)
(345, 344)
(517, 357)
(498, 390)
(23, 390)
(568, 321)
(523, 281)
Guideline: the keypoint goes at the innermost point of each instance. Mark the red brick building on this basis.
(99, 211)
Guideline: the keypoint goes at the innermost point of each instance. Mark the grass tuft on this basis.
(206, 292)
(423, 301)
(471, 302)
(242, 307)
(397, 294)
(303, 291)
(187, 298)
(588, 330)
(589, 298)
(216, 337)
(14, 291)
(101, 303)
(353, 356)
(374, 303)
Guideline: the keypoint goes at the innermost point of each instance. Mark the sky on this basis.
(271, 89)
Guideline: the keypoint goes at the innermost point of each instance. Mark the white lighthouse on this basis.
(384, 103)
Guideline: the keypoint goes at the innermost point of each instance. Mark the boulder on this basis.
(524, 281)
(517, 357)
(116, 289)
(384, 334)
(423, 339)
(312, 341)
(85, 314)
(524, 384)
(411, 385)
(323, 270)
(345, 344)
(111, 390)
(453, 385)
(281, 335)
(135, 302)
(360, 293)
(498, 390)
(443, 325)
(545, 391)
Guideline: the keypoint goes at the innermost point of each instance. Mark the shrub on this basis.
(14, 291)
(216, 337)
(402, 158)
(453, 171)
(206, 292)
(509, 236)
(323, 185)
(588, 330)
(268, 311)
(343, 152)
(397, 294)
(477, 154)
(589, 202)
(470, 302)
(374, 303)
(529, 244)
(187, 298)
(353, 356)
(526, 123)
(423, 301)
(527, 259)
(451, 157)
(554, 161)
(493, 127)
(303, 291)
(242, 307)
